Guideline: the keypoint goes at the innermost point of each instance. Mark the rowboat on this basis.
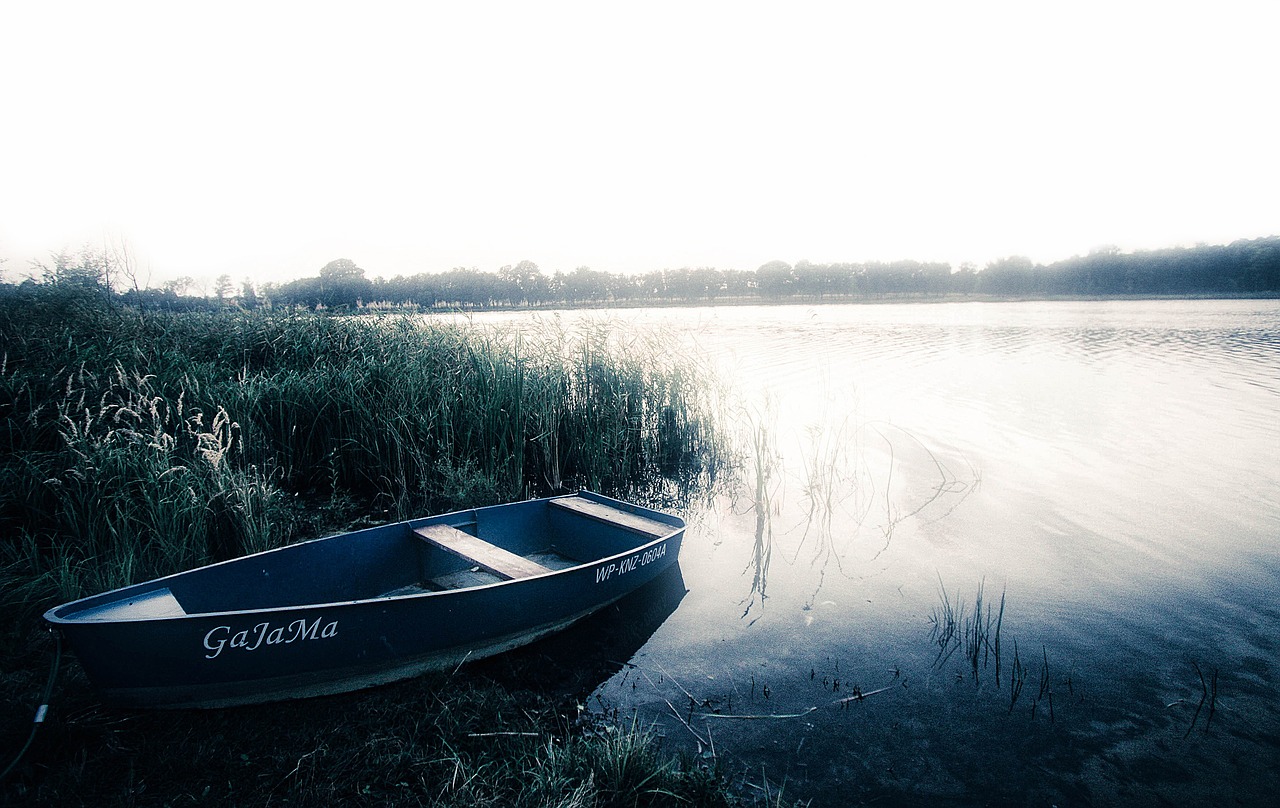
(368, 607)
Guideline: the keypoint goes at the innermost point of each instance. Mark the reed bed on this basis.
(133, 445)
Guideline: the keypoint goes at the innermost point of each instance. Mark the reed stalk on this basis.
(1017, 677)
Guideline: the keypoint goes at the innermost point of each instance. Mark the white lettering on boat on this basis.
(606, 571)
(250, 639)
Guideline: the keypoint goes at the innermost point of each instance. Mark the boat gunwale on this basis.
(58, 620)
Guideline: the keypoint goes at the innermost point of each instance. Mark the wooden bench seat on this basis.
(614, 516)
(490, 557)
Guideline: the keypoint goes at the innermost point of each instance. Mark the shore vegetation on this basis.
(136, 442)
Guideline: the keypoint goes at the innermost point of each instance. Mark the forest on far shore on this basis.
(1242, 268)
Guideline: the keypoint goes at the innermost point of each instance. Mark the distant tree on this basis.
(899, 277)
(962, 279)
(1259, 265)
(460, 286)
(807, 277)
(1012, 276)
(269, 294)
(127, 267)
(824, 279)
(248, 297)
(180, 285)
(585, 284)
(680, 284)
(339, 270)
(88, 270)
(705, 282)
(222, 288)
(776, 279)
(308, 292)
(342, 284)
(83, 279)
(738, 282)
(523, 283)
(652, 285)
(932, 278)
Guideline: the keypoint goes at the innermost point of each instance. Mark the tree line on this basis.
(1246, 267)
(1242, 268)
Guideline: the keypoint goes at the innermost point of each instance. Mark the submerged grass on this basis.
(975, 630)
(135, 445)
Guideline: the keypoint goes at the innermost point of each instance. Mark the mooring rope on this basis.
(43, 709)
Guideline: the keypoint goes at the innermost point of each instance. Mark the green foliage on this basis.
(124, 484)
(87, 270)
(341, 284)
(137, 444)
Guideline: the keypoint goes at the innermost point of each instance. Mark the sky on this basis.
(262, 140)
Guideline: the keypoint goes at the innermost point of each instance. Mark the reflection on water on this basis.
(572, 663)
(856, 484)
(765, 462)
(1127, 510)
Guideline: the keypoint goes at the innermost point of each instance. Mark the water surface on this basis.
(1109, 468)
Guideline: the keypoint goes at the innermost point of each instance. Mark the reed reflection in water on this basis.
(851, 489)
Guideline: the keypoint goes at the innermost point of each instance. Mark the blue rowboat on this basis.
(368, 607)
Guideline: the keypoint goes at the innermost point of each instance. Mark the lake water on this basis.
(1108, 469)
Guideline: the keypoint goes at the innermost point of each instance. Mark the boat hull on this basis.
(225, 658)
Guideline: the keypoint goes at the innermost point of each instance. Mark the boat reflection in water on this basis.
(576, 661)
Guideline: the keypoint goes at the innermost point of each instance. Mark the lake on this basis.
(1021, 553)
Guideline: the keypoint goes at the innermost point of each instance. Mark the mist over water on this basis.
(1109, 468)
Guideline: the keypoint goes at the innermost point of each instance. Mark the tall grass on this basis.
(136, 484)
(135, 445)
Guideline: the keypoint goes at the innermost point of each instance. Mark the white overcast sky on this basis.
(264, 139)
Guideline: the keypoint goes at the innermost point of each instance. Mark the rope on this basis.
(42, 710)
